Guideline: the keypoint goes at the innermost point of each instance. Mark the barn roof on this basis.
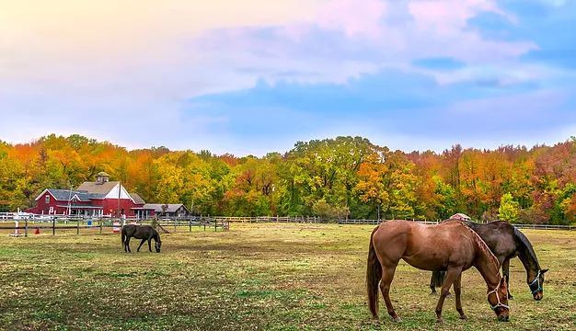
(137, 199)
(64, 195)
(172, 207)
(95, 187)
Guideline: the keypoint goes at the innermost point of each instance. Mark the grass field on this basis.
(264, 276)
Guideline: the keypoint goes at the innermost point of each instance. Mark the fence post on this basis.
(175, 225)
(53, 226)
(215, 225)
(190, 225)
(78, 227)
(100, 226)
(26, 227)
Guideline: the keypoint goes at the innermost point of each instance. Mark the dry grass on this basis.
(266, 276)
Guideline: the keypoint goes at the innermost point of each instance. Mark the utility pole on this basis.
(119, 192)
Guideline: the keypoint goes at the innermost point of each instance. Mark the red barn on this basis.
(99, 198)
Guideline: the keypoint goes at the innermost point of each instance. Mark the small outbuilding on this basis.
(460, 216)
(168, 209)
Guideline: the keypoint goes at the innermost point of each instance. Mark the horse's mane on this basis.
(527, 245)
(155, 233)
(480, 242)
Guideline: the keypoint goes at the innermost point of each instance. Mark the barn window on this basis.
(47, 200)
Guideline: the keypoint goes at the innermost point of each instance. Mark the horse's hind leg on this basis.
(127, 242)
(457, 292)
(432, 284)
(387, 277)
(449, 279)
(141, 243)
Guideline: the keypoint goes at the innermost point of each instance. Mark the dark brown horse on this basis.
(450, 246)
(506, 242)
(144, 232)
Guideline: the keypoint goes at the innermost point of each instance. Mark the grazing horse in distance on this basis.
(506, 242)
(450, 246)
(144, 232)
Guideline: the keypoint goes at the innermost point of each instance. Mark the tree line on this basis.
(332, 178)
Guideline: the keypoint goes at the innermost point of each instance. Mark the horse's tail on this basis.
(373, 277)
(437, 278)
(524, 245)
(123, 235)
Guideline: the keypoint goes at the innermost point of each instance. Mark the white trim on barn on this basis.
(113, 193)
(41, 195)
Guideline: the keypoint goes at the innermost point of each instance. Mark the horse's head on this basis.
(158, 245)
(536, 285)
(498, 299)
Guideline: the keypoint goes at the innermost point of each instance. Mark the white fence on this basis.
(211, 221)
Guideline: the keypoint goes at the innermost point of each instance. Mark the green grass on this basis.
(264, 276)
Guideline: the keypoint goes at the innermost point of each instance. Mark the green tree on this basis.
(327, 212)
(509, 209)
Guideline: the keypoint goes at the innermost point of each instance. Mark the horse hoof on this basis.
(433, 293)
(463, 317)
(397, 319)
(440, 321)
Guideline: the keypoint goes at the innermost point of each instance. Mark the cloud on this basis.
(255, 76)
(391, 106)
(355, 18)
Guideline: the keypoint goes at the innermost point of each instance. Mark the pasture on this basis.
(255, 276)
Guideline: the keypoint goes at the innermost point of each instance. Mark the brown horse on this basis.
(506, 242)
(450, 246)
(144, 232)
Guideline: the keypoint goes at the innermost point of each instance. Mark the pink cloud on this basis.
(355, 18)
(449, 16)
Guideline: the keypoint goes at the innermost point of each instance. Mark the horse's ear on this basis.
(543, 271)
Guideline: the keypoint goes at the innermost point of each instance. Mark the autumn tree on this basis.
(348, 174)
(509, 209)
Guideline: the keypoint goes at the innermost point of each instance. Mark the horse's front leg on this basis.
(451, 275)
(506, 272)
(150, 244)
(457, 292)
(387, 277)
(141, 243)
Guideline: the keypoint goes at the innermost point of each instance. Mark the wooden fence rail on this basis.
(23, 227)
(521, 226)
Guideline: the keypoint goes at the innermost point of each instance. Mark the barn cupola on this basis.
(102, 178)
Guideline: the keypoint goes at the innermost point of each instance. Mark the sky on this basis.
(256, 76)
